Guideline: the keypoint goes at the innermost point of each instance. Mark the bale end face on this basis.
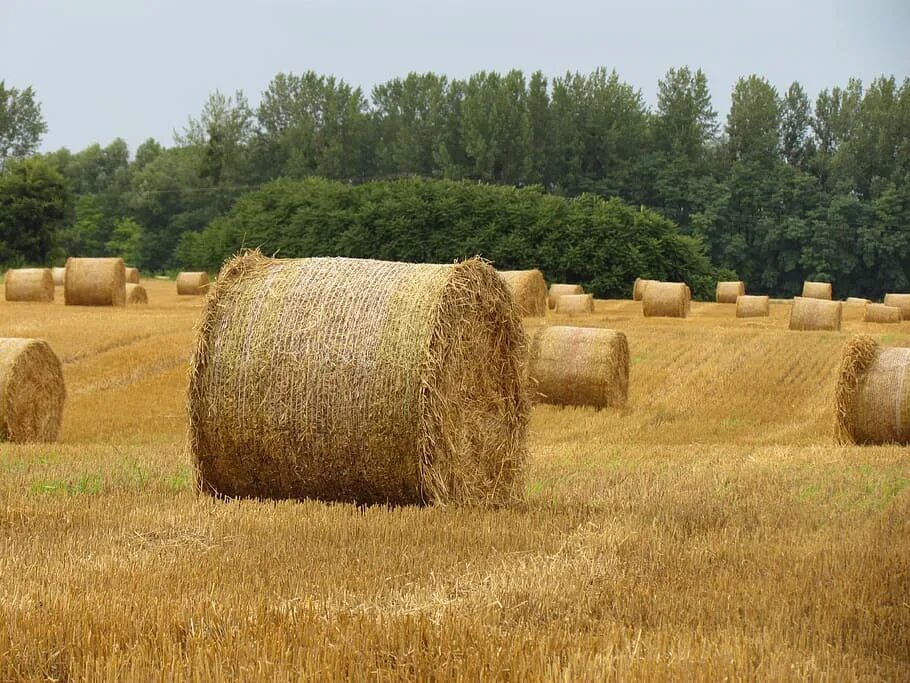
(132, 276)
(192, 283)
(136, 294)
(639, 287)
(32, 391)
(529, 289)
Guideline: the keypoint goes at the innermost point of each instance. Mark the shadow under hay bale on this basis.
(95, 282)
(666, 299)
(529, 289)
(638, 289)
(880, 313)
(59, 274)
(817, 290)
(32, 391)
(901, 301)
(727, 292)
(753, 306)
(575, 304)
(29, 284)
(192, 283)
(360, 381)
(132, 276)
(815, 314)
(136, 294)
(558, 290)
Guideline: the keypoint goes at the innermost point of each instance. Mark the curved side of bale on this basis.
(132, 276)
(95, 282)
(529, 289)
(666, 299)
(901, 301)
(558, 290)
(872, 394)
(817, 290)
(360, 381)
(753, 306)
(29, 284)
(574, 304)
(815, 314)
(192, 283)
(880, 313)
(856, 301)
(580, 366)
(727, 292)
(136, 294)
(638, 289)
(59, 274)
(32, 391)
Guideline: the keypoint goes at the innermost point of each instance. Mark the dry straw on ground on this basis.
(29, 284)
(666, 299)
(529, 289)
(638, 289)
(575, 304)
(31, 391)
(192, 283)
(580, 366)
(558, 290)
(817, 290)
(59, 276)
(136, 294)
(95, 282)
(880, 313)
(815, 314)
(901, 301)
(727, 292)
(132, 276)
(752, 306)
(872, 395)
(358, 380)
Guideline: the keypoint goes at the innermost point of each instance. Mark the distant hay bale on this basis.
(815, 314)
(59, 275)
(638, 289)
(136, 294)
(529, 289)
(95, 282)
(580, 366)
(752, 306)
(856, 301)
(132, 276)
(728, 291)
(872, 395)
(192, 283)
(901, 301)
(880, 313)
(575, 304)
(558, 290)
(688, 299)
(361, 381)
(31, 391)
(666, 299)
(816, 290)
(29, 284)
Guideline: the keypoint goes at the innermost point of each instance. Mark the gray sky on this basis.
(109, 68)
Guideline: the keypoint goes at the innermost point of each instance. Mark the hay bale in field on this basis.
(880, 313)
(817, 290)
(638, 289)
(31, 391)
(727, 291)
(872, 395)
(132, 276)
(358, 380)
(666, 299)
(95, 282)
(529, 289)
(901, 301)
(136, 294)
(558, 290)
(752, 306)
(192, 283)
(815, 314)
(29, 284)
(59, 275)
(856, 301)
(575, 304)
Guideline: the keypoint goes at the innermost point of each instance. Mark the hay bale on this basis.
(666, 299)
(558, 290)
(856, 301)
(901, 301)
(136, 294)
(29, 284)
(95, 282)
(31, 391)
(638, 289)
(580, 366)
(529, 289)
(817, 290)
(752, 306)
(59, 275)
(815, 314)
(192, 283)
(575, 304)
(358, 380)
(880, 313)
(132, 276)
(872, 395)
(727, 291)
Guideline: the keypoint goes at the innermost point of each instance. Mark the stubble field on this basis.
(709, 530)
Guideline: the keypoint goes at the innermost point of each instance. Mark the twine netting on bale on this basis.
(558, 290)
(192, 283)
(638, 289)
(95, 282)
(580, 366)
(31, 391)
(727, 292)
(753, 306)
(666, 299)
(136, 294)
(529, 289)
(872, 395)
(29, 284)
(880, 313)
(132, 276)
(59, 274)
(815, 314)
(361, 381)
(901, 301)
(817, 290)
(575, 304)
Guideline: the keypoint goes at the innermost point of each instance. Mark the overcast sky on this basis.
(109, 68)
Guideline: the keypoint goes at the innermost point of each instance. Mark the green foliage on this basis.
(33, 200)
(21, 123)
(125, 241)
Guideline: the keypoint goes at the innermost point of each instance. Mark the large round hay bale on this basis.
(29, 284)
(59, 275)
(638, 289)
(357, 380)
(728, 291)
(95, 282)
(558, 290)
(31, 391)
(666, 299)
(132, 276)
(575, 304)
(136, 294)
(753, 306)
(901, 301)
(880, 313)
(580, 366)
(815, 314)
(529, 289)
(817, 290)
(872, 395)
(192, 283)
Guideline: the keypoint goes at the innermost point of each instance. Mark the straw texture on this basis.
(666, 299)
(558, 290)
(901, 301)
(361, 381)
(59, 275)
(880, 313)
(752, 306)
(817, 290)
(529, 289)
(856, 301)
(136, 294)
(638, 289)
(192, 283)
(727, 292)
(29, 284)
(95, 282)
(815, 314)
(132, 276)
(575, 304)
(31, 391)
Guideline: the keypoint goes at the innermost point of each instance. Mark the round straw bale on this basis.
(856, 301)
(815, 314)
(752, 306)
(558, 290)
(358, 380)
(29, 284)
(638, 289)
(816, 290)
(95, 282)
(880, 313)
(192, 283)
(688, 299)
(667, 299)
(580, 366)
(31, 391)
(59, 275)
(574, 304)
(132, 276)
(136, 294)
(901, 301)
(529, 289)
(728, 291)
(872, 395)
